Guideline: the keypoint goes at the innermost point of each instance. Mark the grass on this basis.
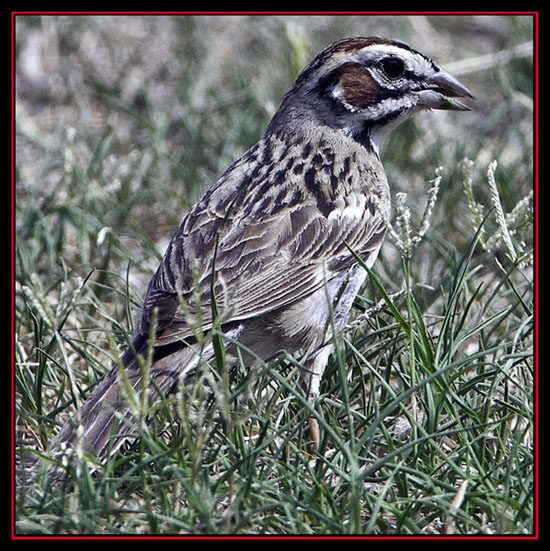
(427, 407)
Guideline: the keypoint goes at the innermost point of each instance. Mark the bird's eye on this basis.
(392, 67)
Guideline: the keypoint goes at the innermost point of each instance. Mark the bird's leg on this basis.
(310, 380)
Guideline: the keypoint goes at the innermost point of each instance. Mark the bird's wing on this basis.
(271, 231)
(258, 266)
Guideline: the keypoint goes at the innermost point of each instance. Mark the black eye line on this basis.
(406, 74)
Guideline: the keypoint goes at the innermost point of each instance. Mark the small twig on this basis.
(484, 62)
(455, 506)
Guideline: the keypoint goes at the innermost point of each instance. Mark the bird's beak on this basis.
(442, 91)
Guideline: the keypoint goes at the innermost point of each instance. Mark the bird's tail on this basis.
(110, 415)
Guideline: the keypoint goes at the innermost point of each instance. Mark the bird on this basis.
(268, 256)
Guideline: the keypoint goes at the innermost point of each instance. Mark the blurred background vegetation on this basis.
(122, 122)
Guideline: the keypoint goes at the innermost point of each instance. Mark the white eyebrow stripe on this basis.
(414, 61)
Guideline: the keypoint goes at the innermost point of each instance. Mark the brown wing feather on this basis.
(263, 267)
(267, 235)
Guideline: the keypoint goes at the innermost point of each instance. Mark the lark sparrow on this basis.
(269, 240)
